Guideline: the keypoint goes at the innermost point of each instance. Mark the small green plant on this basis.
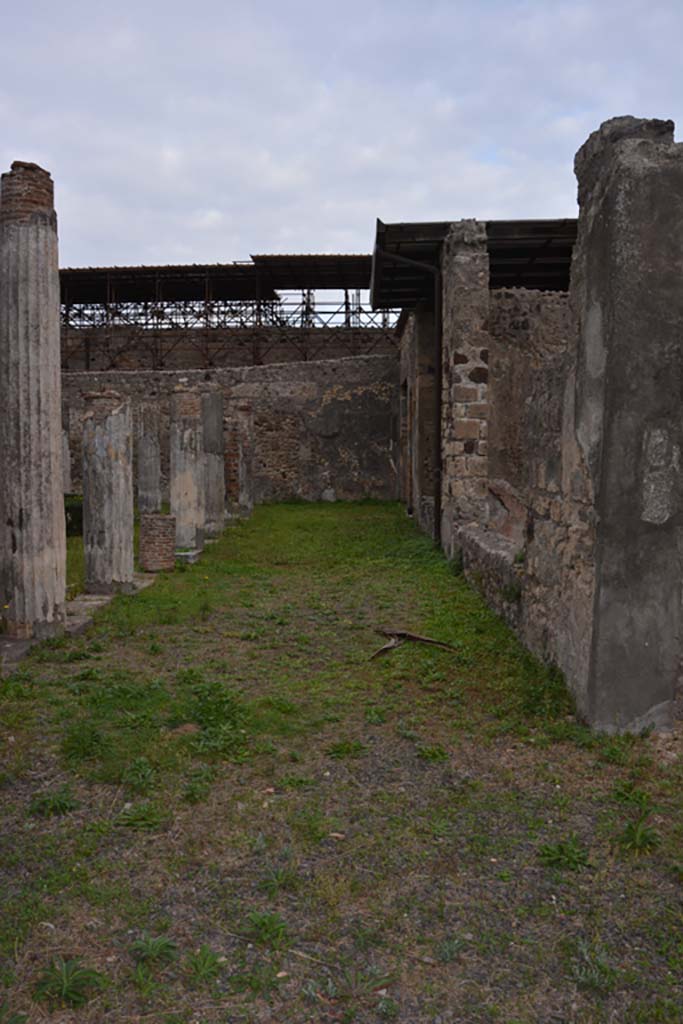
(365, 936)
(566, 855)
(677, 870)
(449, 948)
(220, 713)
(155, 647)
(433, 753)
(356, 983)
(82, 742)
(617, 749)
(143, 817)
(296, 781)
(375, 716)
(278, 879)
(203, 965)
(68, 983)
(638, 837)
(267, 929)
(406, 733)
(260, 980)
(7, 1017)
(139, 776)
(53, 802)
(311, 824)
(198, 785)
(590, 968)
(388, 1009)
(346, 748)
(628, 793)
(151, 949)
(144, 981)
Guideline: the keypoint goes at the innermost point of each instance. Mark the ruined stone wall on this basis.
(578, 541)
(537, 530)
(323, 430)
(529, 339)
(134, 348)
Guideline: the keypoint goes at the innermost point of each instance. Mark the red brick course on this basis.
(157, 542)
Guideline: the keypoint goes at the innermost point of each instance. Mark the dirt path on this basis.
(217, 803)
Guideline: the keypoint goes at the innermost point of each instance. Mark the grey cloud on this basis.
(207, 134)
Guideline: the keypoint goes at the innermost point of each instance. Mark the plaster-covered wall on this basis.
(322, 430)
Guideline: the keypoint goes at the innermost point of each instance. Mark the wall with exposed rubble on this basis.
(323, 431)
(561, 434)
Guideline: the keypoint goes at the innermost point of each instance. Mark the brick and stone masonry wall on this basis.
(576, 540)
(157, 542)
(513, 553)
(465, 354)
(529, 339)
(322, 430)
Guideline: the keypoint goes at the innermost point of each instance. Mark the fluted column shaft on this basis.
(32, 528)
(108, 493)
(187, 468)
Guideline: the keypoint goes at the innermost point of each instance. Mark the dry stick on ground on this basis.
(397, 637)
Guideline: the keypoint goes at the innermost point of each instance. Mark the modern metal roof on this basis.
(218, 281)
(336, 271)
(522, 254)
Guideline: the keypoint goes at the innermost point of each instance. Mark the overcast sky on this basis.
(205, 132)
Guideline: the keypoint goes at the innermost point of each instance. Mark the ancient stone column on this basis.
(66, 462)
(622, 436)
(465, 347)
(108, 493)
(148, 457)
(32, 529)
(238, 429)
(214, 466)
(187, 468)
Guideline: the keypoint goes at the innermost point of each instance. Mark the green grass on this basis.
(217, 801)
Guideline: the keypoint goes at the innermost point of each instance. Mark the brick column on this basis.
(187, 468)
(108, 493)
(157, 542)
(32, 528)
(465, 347)
(214, 463)
(622, 438)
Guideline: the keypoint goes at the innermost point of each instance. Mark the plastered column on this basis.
(214, 464)
(239, 454)
(148, 454)
(622, 428)
(187, 487)
(108, 493)
(465, 352)
(32, 528)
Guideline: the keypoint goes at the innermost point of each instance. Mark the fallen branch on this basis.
(397, 637)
